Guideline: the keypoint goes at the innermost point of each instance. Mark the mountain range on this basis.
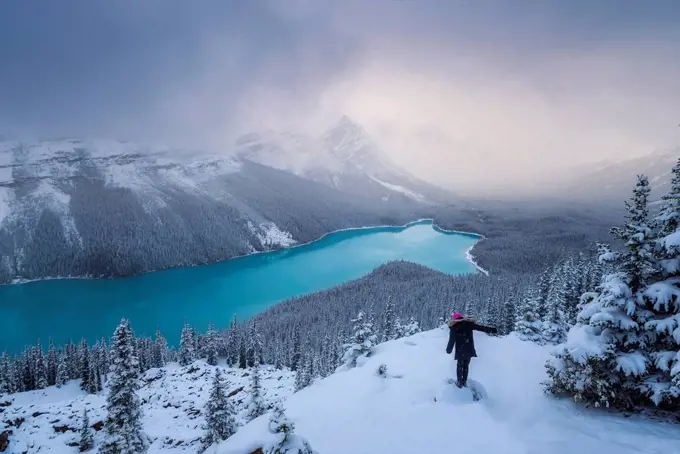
(76, 207)
(344, 157)
(614, 180)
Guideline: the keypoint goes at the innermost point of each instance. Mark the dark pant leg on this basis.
(462, 368)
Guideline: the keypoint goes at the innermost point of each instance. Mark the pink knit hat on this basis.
(457, 315)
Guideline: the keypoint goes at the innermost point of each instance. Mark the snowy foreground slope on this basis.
(410, 410)
(414, 410)
(173, 401)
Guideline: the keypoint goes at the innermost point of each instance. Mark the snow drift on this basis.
(413, 409)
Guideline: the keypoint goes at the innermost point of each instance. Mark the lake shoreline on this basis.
(378, 228)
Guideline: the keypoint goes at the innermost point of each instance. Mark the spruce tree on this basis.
(84, 366)
(362, 342)
(124, 433)
(389, 326)
(94, 382)
(187, 354)
(295, 354)
(86, 435)
(233, 343)
(528, 323)
(220, 422)
(288, 442)
(608, 362)
(662, 299)
(104, 358)
(242, 353)
(210, 345)
(555, 324)
(255, 347)
(412, 327)
(40, 371)
(5, 374)
(62, 371)
(256, 406)
(161, 350)
(508, 316)
(52, 365)
(668, 219)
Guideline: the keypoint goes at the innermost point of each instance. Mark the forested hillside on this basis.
(74, 208)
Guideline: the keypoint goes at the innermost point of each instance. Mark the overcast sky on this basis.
(464, 92)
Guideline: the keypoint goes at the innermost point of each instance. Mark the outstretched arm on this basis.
(485, 329)
(452, 341)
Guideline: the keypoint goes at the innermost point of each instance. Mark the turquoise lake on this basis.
(70, 309)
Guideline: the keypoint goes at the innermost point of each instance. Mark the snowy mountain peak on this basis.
(345, 157)
(350, 143)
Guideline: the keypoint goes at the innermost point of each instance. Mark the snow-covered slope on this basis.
(173, 403)
(345, 157)
(615, 180)
(414, 410)
(411, 409)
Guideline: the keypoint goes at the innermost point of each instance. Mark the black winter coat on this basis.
(460, 335)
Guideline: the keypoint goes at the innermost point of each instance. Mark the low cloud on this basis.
(479, 96)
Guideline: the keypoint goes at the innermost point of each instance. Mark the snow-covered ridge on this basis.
(409, 408)
(412, 408)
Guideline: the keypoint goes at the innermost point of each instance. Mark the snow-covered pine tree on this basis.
(508, 316)
(295, 354)
(40, 371)
(86, 436)
(662, 298)
(104, 362)
(412, 327)
(51, 365)
(123, 425)
(242, 353)
(289, 442)
(256, 405)
(5, 375)
(668, 219)
(541, 293)
(233, 342)
(254, 346)
(605, 361)
(187, 354)
(160, 350)
(555, 324)
(27, 371)
(493, 312)
(94, 382)
(389, 325)
(303, 376)
(62, 371)
(362, 342)
(72, 359)
(194, 340)
(574, 276)
(528, 323)
(220, 423)
(210, 345)
(84, 356)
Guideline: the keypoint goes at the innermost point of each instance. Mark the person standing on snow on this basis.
(460, 335)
